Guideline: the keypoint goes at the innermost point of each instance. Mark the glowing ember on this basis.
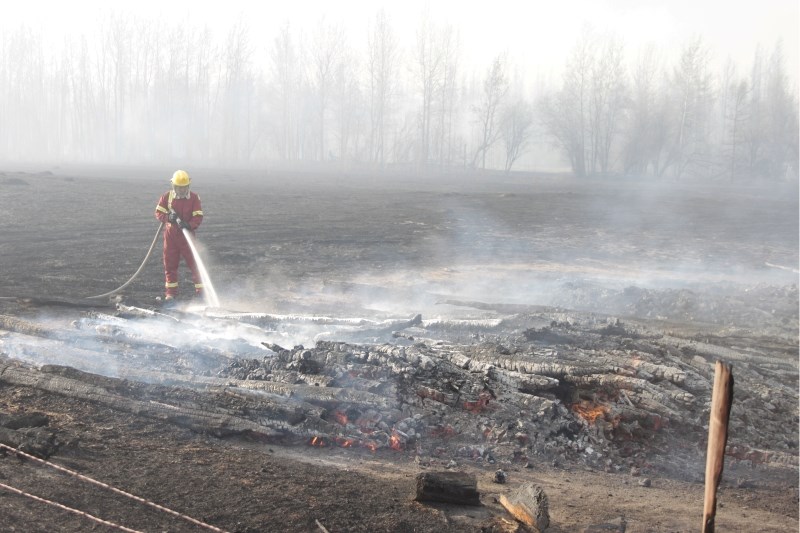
(428, 393)
(396, 443)
(317, 441)
(657, 422)
(480, 404)
(340, 417)
(443, 431)
(346, 442)
(589, 411)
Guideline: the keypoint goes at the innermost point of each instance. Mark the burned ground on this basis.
(561, 331)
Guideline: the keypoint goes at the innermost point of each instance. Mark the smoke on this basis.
(139, 341)
(621, 248)
(51, 352)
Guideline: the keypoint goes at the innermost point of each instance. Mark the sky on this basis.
(537, 36)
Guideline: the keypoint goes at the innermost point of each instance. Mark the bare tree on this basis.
(516, 129)
(487, 111)
(206, 92)
(429, 65)
(737, 116)
(348, 106)
(172, 101)
(770, 133)
(727, 81)
(608, 102)
(641, 145)
(118, 46)
(383, 57)
(103, 77)
(565, 115)
(237, 83)
(446, 95)
(144, 64)
(83, 91)
(754, 130)
(326, 49)
(692, 99)
(286, 84)
(781, 131)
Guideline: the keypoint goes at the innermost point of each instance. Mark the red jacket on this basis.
(188, 210)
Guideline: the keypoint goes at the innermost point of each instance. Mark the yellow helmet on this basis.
(181, 178)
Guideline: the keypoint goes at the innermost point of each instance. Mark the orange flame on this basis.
(589, 411)
(395, 443)
(345, 442)
(317, 441)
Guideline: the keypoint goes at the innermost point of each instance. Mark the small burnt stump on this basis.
(529, 505)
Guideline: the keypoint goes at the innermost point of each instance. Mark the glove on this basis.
(185, 225)
(173, 217)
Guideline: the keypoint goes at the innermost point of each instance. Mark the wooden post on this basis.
(721, 399)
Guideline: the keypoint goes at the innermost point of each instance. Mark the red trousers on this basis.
(175, 247)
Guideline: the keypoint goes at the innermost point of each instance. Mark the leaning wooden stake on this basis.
(721, 399)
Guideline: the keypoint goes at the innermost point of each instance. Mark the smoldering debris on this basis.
(508, 387)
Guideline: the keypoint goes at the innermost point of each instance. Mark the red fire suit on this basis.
(175, 244)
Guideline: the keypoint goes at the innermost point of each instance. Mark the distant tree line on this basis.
(677, 120)
(144, 91)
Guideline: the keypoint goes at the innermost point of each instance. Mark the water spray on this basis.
(209, 293)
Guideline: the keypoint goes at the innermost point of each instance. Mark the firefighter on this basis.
(179, 209)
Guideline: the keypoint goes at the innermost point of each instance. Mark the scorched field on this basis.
(505, 331)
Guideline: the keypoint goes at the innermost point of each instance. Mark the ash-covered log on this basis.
(80, 386)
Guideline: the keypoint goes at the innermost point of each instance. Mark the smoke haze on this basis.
(412, 88)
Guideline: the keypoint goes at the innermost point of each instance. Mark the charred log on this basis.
(206, 420)
(529, 505)
(40, 442)
(447, 487)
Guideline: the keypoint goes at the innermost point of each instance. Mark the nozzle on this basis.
(173, 213)
(179, 222)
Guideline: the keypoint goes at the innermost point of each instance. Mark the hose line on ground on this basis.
(146, 257)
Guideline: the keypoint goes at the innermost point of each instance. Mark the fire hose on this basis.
(144, 261)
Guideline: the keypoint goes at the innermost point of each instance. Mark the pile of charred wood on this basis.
(518, 386)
